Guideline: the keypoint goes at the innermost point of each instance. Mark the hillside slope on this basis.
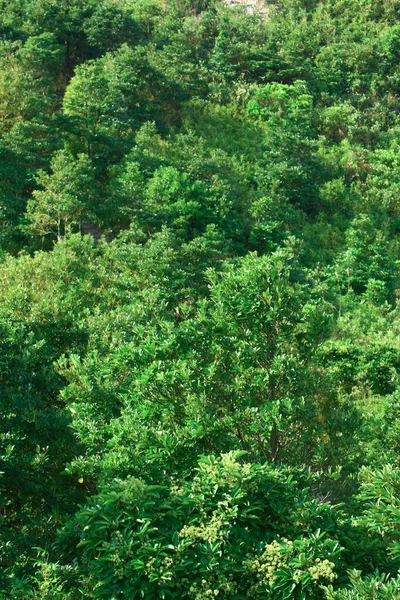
(199, 284)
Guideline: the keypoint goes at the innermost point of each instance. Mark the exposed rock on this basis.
(91, 228)
(94, 229)
(252, 6)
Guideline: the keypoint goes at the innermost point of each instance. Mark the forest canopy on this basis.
(199, 315)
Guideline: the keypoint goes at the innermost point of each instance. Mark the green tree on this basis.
(290, 165)
(66, 198)
(108, 99)
(222, 524)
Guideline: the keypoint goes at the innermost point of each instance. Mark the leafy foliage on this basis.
(199, 280)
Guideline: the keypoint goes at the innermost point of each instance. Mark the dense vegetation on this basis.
(200, 352)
